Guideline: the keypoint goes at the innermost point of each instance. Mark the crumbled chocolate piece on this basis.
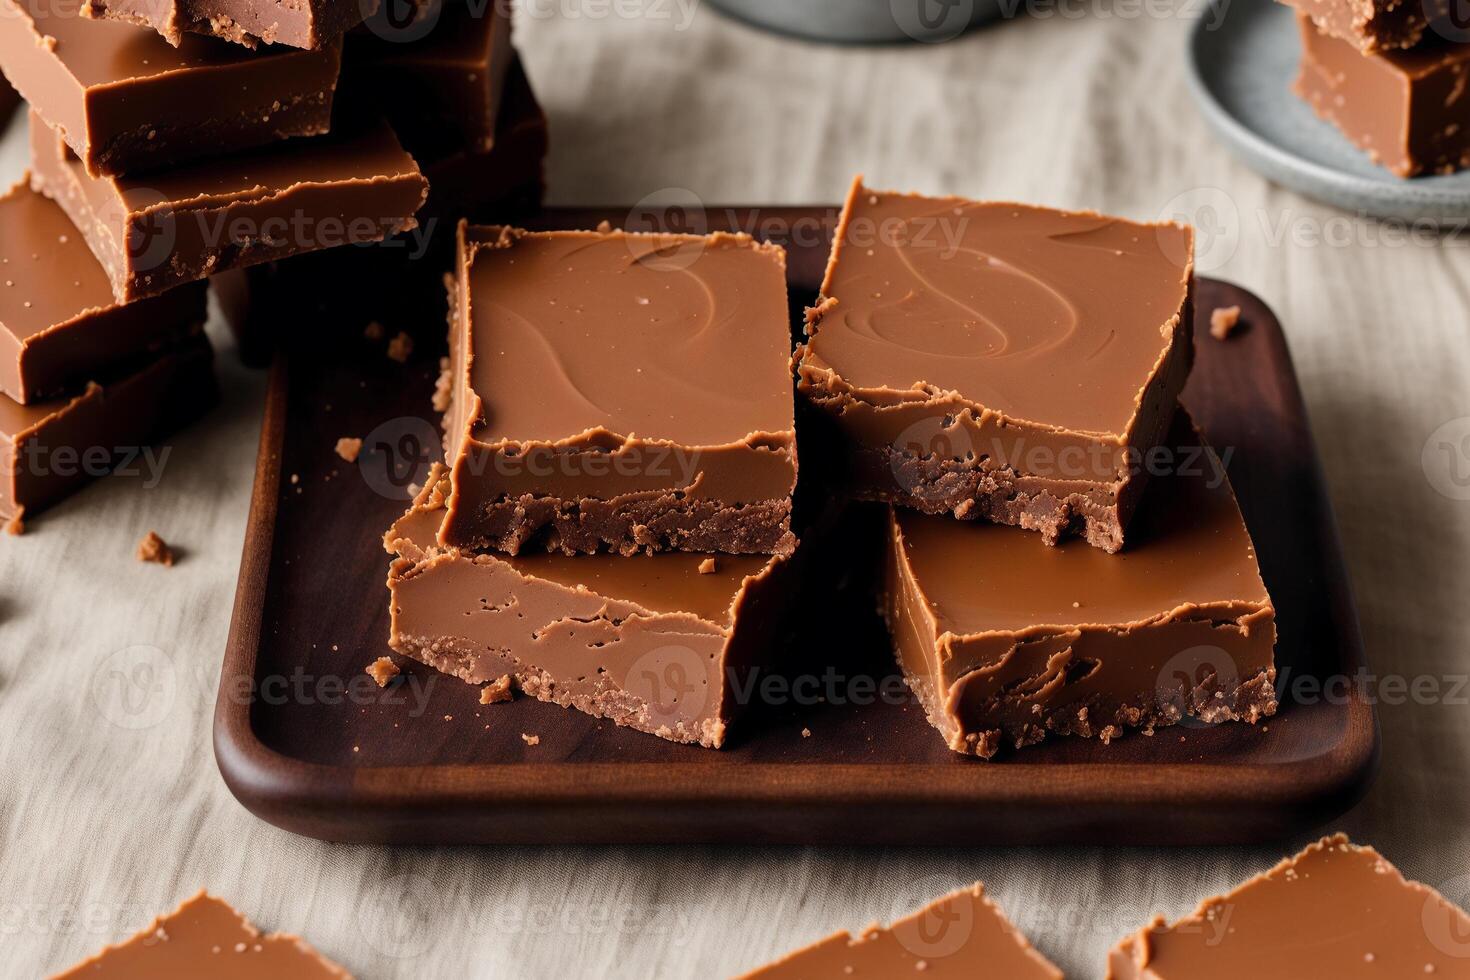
(383, 670)
(497, 691)
(373, 331)
(156, 550)
(530, 739)
(1223, 321)
(709, 566)
(400, 347)
(349, 448)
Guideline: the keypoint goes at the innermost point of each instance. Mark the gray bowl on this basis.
(866, 21)
(1243, 56)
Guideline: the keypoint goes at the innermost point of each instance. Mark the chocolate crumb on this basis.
(400, 347)
(604, 226)
(709, 566)
(348, 448)
(443, 387)
(373, 331)
(530, 739)
(154, 549)
(497, 691)
(383, 670)
(806, 733)
(1223, 321)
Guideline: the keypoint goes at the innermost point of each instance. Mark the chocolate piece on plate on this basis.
(50, 449)
(1006, 641)
(127, 103)
(59, 324)
(619, 392)
(308, 24)
(1335, 910)
(153, 233)
(1408, 110)
(958, 937)
(1000, 362)
(648, 641)
(205, 937)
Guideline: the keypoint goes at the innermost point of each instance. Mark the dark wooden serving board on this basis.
(423, 761)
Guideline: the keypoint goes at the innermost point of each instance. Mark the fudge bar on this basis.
(1000, 362)
(1334, 910)
(128, 103)
(961, 936)
(1005, 640)
(441, 92)
(1408, 110)
(154, 233)
(205, 937)
(1373, 25)
(659, 643)
(59, 325)
(308, 24)
(50, 449)
(621, 392)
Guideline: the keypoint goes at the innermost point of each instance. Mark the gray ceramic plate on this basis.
(867, 21)
(1243, 57)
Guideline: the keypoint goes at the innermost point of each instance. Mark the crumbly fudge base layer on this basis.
(298, 25)
(1373, 25)
(1209, 702)
(160, 145)
(998, 495)
(669, 522)
(600, 698)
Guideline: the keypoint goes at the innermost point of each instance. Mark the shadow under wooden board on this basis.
(306, 741)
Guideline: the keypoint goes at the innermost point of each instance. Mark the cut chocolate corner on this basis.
(998, 361)
(960, 936)
(308, 25)
(205, 937)
(1336, 909)
(566, 439)
(645, 641)
(1006, 641)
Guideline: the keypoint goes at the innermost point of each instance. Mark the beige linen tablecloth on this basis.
(111, 816)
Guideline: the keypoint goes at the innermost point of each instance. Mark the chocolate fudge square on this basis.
(59, 324)
(1000, 362)
(619, 392)
(659, 643)
(1006, 641)
(127, 103)
(1336, 910)
(1408, 110)
(154, 233)
(1375, 25)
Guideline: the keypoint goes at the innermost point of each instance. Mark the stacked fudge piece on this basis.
(455, 92)
(1064, 552)
(156, 162)
(1392, 75)
(611, 527)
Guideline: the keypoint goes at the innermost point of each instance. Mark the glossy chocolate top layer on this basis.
(48, 276)
(660, 337)
(204, 937)
(1051, 317)
(1335, 910)
(103, 53)
(1188, 547)
(960, 936)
